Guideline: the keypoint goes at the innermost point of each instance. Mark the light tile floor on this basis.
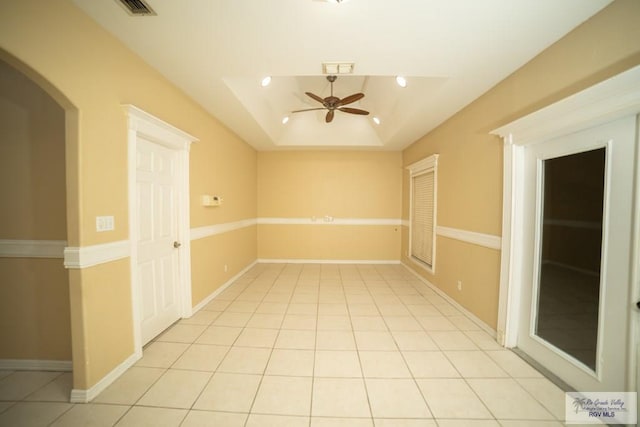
(308, 345)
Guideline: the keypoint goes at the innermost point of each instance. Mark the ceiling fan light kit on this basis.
(333, 103)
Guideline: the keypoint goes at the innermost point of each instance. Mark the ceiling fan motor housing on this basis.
(333, 103)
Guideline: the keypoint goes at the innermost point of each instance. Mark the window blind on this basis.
(422, 217)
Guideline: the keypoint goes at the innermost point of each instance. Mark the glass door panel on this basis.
(577, 200)
(568, 302)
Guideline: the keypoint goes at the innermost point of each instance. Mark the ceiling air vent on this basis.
(137, 7)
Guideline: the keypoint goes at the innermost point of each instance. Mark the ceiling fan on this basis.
(333, 103)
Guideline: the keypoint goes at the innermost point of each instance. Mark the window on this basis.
(422, 221)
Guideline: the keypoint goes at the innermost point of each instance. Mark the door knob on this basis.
(638, 304)
(177, 244)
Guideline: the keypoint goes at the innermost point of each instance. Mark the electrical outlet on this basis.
(104, 223)
(226, 268)
(459, 285)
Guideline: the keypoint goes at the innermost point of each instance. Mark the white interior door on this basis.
(577, 234)
(157, 254)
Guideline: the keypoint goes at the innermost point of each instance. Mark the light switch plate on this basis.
(208, 200)
(104, 223)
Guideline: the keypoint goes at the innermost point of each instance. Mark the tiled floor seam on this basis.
(360, 361)
(199, 395)
(315, 350)
(270, 354)
(413, 377)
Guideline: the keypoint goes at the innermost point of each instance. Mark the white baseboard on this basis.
(218, 291)
(35, 365)
(326, 261)
(488, 329)
(85, 396)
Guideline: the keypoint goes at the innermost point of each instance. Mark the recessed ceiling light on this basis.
(265, 82)
(376, 120)
(285, 119)
(402, 82)
(336, 1)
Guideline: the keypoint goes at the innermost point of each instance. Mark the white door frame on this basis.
(142, 124)
(614, 98)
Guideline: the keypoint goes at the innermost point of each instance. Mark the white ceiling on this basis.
(451, 52)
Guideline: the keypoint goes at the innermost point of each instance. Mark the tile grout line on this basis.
(315, 351)
(221, 359)
(415, 381)
(272, 346)
(465, 379)
(253, 401)
(24, 398)
(212, 374)
(366, 389)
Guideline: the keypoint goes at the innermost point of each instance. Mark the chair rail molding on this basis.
(18, 248)
(486, 240)
(89, 256)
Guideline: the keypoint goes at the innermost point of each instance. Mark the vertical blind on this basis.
(422, 217)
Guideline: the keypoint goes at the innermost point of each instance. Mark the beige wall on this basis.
(210, 255)
(34, 296)
(32, 173)
(91, 74)
(329, 242)
(470, 163)
(101, 319)
(34, 310)
(340, 184)
(224, 166)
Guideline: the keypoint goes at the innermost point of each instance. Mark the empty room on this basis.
(319, 212)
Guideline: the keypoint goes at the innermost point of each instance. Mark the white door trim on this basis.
(614, 98)
(153, 129)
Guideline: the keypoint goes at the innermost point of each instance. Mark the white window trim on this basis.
(428, 164)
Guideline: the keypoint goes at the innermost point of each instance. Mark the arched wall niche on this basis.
(72, 125)
(42, 290)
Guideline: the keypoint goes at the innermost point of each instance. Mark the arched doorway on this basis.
(35, 310)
